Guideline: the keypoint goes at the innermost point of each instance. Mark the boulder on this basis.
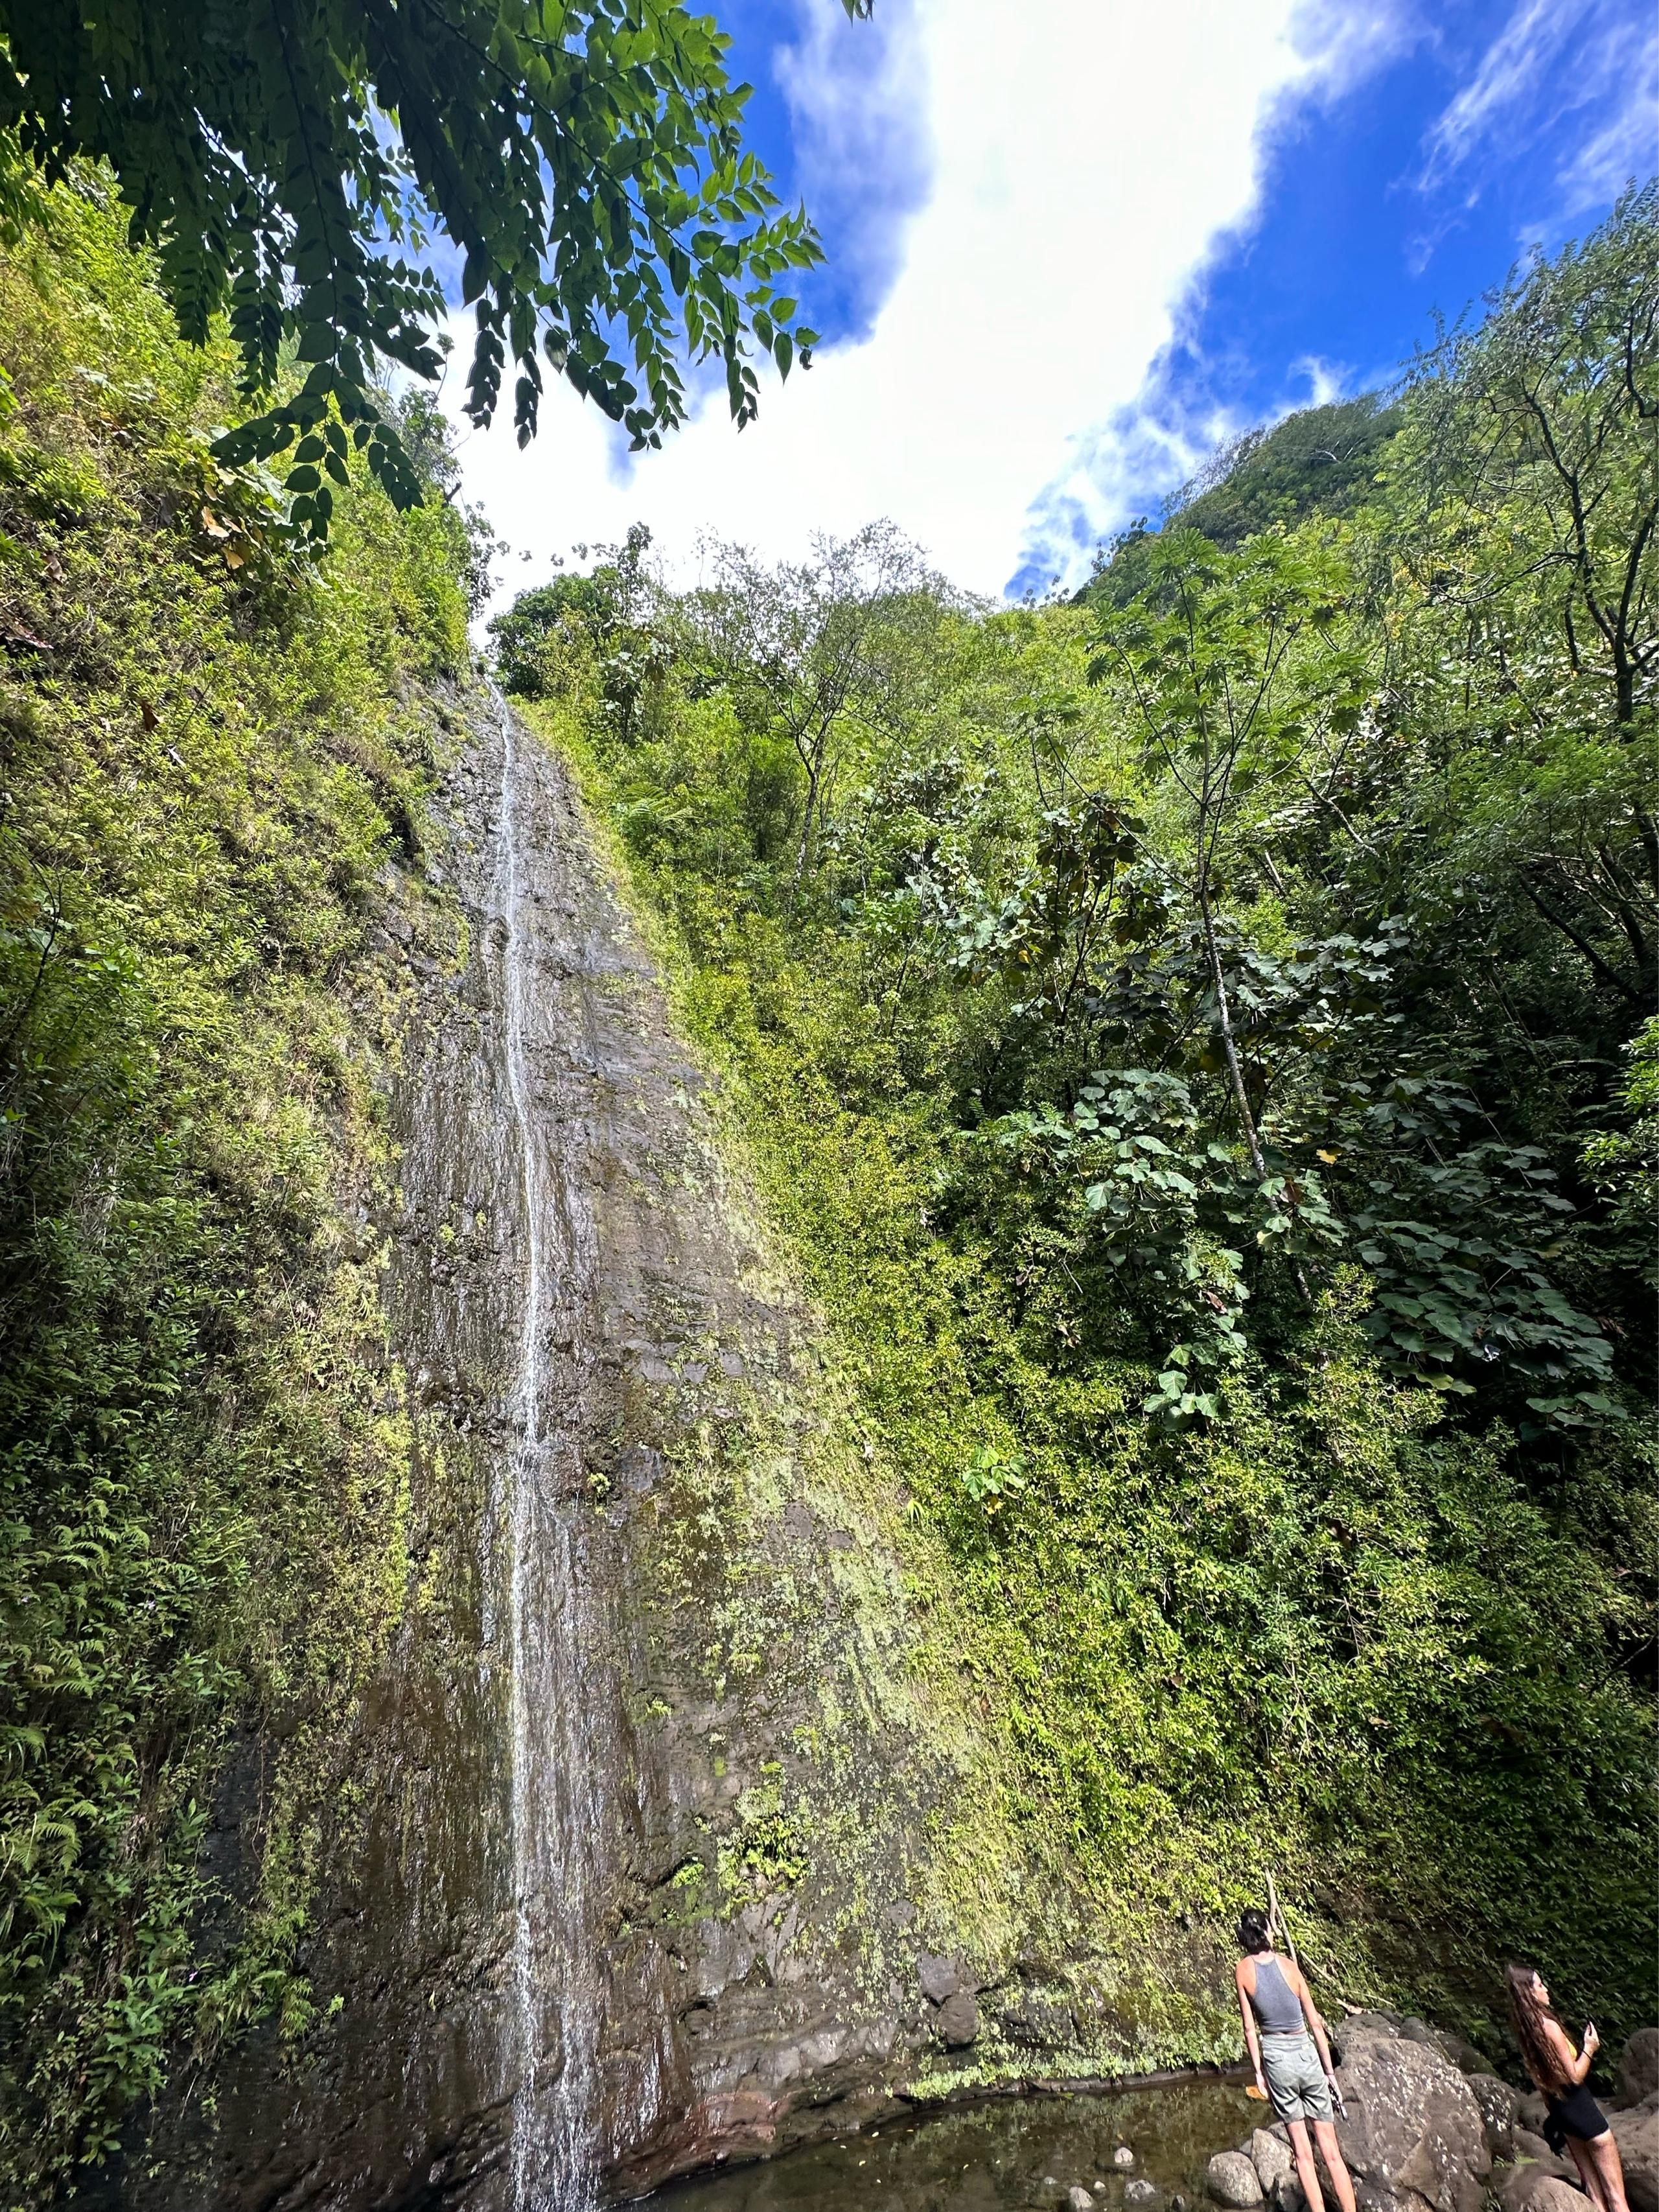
(1463, 2055)
(1123, 2156)
(1140, 2192)
(1530, 2110)
(1079, 2199)
(1271, 2160)
(1637, 2133)
(1414, 2134)
(1230, 2179)
(1533, 2150)
(1497, 2103)
(1638, 2066)
(940, 1977)
(957, 2019)
(1526, 2190)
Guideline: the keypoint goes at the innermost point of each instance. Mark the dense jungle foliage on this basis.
(212, 747)
(1200, 1042)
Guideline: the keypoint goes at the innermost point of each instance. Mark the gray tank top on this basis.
(1277, 2007)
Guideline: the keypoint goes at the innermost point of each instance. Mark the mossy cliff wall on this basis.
(265, 1258)
(803, 1844)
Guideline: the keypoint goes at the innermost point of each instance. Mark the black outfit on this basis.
(1573, 2112)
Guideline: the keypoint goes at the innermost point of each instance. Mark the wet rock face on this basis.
(583, 1918)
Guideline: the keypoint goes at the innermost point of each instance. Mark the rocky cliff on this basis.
(644, 1860)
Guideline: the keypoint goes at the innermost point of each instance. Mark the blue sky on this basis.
(1074, 245)
(1384, 202)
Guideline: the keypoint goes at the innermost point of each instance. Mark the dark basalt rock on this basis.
(740, 1982)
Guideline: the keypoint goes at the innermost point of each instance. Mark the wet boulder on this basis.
(1414, 2137)
(1231, 2180)
(1038, 2023)
(1271, 2157)
(957, 2019)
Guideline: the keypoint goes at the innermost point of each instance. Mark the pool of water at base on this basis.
(1009, 2154)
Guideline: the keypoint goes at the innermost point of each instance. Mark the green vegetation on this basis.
(287, 167)
(1321, 460)
(1192, 1041)
(214, 752)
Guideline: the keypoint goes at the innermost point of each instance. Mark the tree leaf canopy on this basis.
(289, 161)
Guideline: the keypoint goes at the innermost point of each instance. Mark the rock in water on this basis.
(1271, 2160)
(1140, 2192)
(958, 2020)
(1413, 2133)
(1231, 2180)
(1123, 2156)
(1637, 2133)
(1079, 2199)
(1638, 2067)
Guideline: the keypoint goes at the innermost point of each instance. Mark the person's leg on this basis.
(1335, 2164)
(1306, 2172)
(1602, 2153)
(1579, 2152)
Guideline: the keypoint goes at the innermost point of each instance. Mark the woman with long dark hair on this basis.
(1291, 2055)
(1576, 2123)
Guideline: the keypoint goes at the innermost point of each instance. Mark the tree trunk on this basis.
(1229, 1043)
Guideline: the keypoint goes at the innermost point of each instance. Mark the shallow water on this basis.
(1013, 2154)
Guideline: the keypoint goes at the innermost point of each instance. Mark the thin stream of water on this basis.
(556, 1820)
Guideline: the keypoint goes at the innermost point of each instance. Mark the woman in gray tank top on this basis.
(1291, 2055)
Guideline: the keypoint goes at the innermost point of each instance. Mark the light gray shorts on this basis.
(1296, 2080)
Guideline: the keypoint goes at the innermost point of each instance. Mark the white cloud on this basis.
(858, 107)
(1507, 80)
(1083, 158)
(1554, 59)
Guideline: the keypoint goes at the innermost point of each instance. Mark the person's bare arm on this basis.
(1315, 2024)
(1252, 2040)
(1577, 2064)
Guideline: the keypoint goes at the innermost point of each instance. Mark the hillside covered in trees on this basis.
(1200, 1042)
(1196, 1045)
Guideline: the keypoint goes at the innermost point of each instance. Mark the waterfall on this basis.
(557, 1822)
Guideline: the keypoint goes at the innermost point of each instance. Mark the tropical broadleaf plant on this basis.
(290, 161)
